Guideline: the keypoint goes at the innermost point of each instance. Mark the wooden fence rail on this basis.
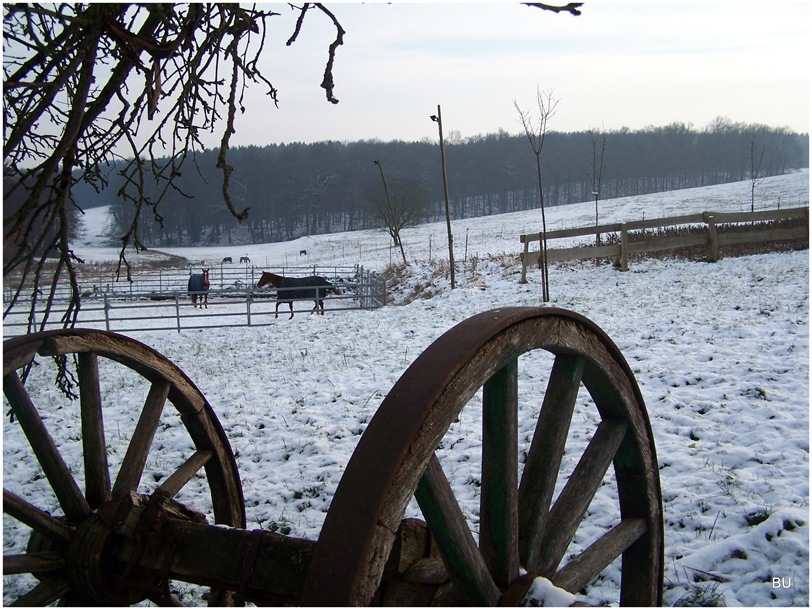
(711, 238)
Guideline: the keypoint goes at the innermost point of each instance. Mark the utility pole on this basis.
(439, 120)
(597, 177)
(395, 228)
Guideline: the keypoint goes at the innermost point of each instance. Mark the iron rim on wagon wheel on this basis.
(519, 525)
(70, 554)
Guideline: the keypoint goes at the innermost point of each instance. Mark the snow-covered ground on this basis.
(720, 351)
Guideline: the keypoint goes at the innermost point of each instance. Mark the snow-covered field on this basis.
(473, 237)
(720, 351)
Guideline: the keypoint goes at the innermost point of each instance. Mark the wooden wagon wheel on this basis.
(395, 461)
(71, 554)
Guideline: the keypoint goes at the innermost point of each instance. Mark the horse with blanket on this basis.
(199, 288)
(289, 289)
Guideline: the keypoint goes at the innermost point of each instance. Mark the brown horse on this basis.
(289, 289)
(199, 288)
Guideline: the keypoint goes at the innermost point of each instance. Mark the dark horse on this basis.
(199, 287)
(289, 289)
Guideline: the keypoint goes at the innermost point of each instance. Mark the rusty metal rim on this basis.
(342, 548)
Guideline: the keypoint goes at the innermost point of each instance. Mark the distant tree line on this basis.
(303, 189)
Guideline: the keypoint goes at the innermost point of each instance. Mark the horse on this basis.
(289, 289)
(199, 287)
(245, 259)
(227, 259)
(302, 252)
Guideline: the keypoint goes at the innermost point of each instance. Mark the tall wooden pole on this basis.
(439, 120)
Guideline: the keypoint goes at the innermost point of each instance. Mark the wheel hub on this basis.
(94, 571)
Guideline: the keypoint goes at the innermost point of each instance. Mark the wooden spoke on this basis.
(544, 457)
(45, 561)
(97, 473)
(93, 575)
(175, 482)
(132, 466)
(581, 570)
(444, 517)
(570, 507)
(35, 518)
(45, 593)
(499, 530)
(62, 482)
(395, 460)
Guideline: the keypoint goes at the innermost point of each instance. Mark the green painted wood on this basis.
(570, 507)
(499, 513)
(581, 570)
(544, 457)
(446, 521)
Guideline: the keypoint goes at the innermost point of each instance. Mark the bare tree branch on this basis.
(84, 82)
(327, 84)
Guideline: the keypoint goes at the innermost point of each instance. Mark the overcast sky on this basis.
(617, 65)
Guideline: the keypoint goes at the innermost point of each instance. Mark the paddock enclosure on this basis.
(159, 299)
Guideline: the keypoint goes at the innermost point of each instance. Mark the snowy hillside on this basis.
(486, 235)
(720, 352)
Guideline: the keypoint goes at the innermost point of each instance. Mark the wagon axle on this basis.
(125, 539)
(133, 547)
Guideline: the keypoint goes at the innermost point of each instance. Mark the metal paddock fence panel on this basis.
(162, 302)
(221, 276)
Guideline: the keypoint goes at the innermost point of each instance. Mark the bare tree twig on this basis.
(328, 83)
(84, 82)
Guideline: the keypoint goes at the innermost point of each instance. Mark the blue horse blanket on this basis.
(196, 283)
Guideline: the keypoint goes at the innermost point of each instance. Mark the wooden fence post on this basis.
(106, 313)
(714, 240)
(624, 255)
(524, 258)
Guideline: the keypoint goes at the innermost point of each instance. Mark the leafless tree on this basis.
(88, 84)
(537, 132)
(397, 202)
(756, 161)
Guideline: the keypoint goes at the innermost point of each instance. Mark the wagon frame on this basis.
(114, 545)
